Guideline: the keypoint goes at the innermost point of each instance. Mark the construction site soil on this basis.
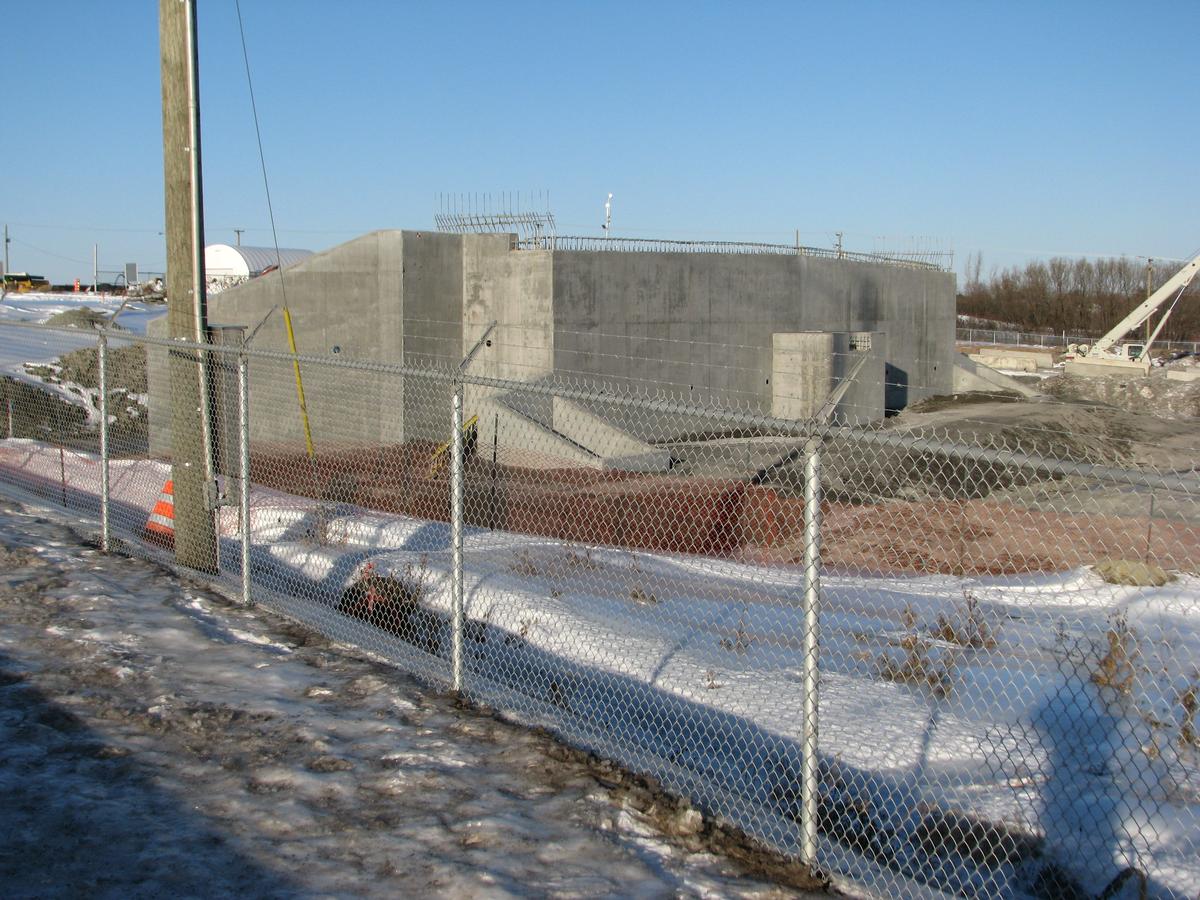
(885, 509)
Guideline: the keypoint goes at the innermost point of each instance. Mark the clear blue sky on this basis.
(1016, 129)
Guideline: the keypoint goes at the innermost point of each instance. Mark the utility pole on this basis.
(95, 268)
(187, 312)
(839, 244)
(238, 232)
(7, 241)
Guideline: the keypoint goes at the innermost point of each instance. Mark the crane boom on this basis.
(1146, 309)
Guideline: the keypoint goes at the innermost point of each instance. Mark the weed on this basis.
(638, 595)
(394, 603)
(524, 564)
(967, 627)
(1115, 669)
(527, 626)
(1132, 573)
(916, 667)
(580, 562)
(1189, 704)
(740, 643)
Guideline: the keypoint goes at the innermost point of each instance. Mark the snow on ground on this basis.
(39, 307)
(160, 742)
(582, 639)
(22, 348)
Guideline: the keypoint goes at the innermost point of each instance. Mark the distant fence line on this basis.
(1040, 339)
(935, 260)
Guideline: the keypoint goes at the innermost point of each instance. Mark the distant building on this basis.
(226, 265)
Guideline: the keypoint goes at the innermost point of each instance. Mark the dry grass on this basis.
(1132, 573)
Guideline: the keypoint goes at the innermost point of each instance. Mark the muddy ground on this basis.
(159, 741)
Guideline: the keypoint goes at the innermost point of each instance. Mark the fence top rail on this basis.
(787, 429)
(980, 335)
(666, 245)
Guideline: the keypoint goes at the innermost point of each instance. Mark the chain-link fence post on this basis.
(810, 772)
(456, 537)
(243, 379)
(102, 376)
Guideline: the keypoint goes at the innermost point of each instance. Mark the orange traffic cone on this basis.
(160, 527)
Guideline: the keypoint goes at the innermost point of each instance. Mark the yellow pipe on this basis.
(308, 441)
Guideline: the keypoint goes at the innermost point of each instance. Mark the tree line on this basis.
(1078, 296)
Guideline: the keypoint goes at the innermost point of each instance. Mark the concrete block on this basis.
(1183, 374)
(1013, 363)
(808, 367)
(1042, 359)
(801, 374)
(1093, 368)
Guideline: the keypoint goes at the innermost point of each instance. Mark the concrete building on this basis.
(710, 326)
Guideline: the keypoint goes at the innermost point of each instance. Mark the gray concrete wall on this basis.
(702, 323)
(346, 301)
(698, 325)
(432, 291)
(515, 289)
(864, 393)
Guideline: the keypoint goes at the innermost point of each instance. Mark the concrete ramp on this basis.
(618, 449)
(973, 376)
(574, 437)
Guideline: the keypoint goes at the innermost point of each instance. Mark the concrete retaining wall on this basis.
(703, 322)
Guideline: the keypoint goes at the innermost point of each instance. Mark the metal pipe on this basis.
(456, 538)
(102, 366)
(810, 773)
(244, 454)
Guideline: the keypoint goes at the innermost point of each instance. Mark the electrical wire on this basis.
(287, 316)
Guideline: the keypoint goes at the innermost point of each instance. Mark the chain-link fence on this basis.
(922, 662)
(1041, 339)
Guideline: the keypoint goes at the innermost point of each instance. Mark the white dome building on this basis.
(226, 265)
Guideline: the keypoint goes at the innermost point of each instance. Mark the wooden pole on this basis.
(187, 314)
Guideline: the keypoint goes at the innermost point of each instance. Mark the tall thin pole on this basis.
(238, 233)
(809, 771)
(95, 268)
(244, 459)
(7, 241)
(102, 366)
(191, 462)
(456, 538)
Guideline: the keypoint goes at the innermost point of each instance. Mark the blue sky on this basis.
(1018, 130)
